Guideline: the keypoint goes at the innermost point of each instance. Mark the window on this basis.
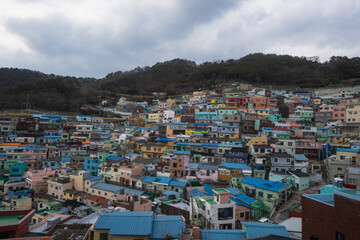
(103, 236)
(260, 194)
(276, 159)
(225, 213)
(352, 181)
(269, 196)
(339, 236)
(288, 160)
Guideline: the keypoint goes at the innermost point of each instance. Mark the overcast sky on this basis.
(93, 37)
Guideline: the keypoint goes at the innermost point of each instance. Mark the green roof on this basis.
(42, 212)
(220, 190)
(257, 204)
(211, 201)
(6, 220)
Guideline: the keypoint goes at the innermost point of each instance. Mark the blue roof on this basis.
(91, 179)
(237, 202)
(226, 132)
(126, 223)
(177, 183)
(192, 165)
(257, 229)
(170, 192)
(233, 191)
(165, 139)
(114, 158)
(228, 234)
(164, 226)
(148, 179)
(299, 157)
(115, 188)
(235, 166)
(197, 193)
(182, 152)
(210, 144)
(264, 184)
(66, 159)
(244, 198)
(353, 150)
(208, 167)
(208, 190)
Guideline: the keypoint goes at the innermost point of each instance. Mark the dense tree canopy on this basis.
(173, 77)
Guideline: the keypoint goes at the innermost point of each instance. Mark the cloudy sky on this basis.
(93, 37)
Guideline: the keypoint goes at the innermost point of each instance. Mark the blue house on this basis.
(135, 225)
(258, 229)
(281, 162)
(17, 169)
(91, 165)
(50, 164)
(83, 118)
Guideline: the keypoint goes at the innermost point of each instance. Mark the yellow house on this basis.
(336, 138)
(262, 112)
(155, 117)
(353, 113)
(72, 194)
(228, 135)
(190, 131)
(228, 170)
(23, 203)
(78, 179)
(152, 150)
(262, 139)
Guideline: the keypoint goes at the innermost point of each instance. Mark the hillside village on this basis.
(235, 162)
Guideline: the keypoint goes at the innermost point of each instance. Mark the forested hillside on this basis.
(173, 77)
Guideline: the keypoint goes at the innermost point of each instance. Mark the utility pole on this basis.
(286, 194)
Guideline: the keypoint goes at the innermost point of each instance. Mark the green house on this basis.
(268, 192)
(275, 118)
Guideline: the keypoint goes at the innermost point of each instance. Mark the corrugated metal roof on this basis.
(208, 167)
(223, 234)
(264, 184)
(244, 198)
(235, 166)
(126, 223)
(115, 188)
(300, 157)
(233, 191)
(164, 226)
(141, 224)
(255, 229)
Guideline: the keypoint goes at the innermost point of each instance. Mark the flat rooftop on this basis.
(7, 220)
(221, 190)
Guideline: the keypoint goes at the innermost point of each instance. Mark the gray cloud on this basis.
(93, 38)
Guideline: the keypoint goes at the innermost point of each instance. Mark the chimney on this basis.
(196, 233)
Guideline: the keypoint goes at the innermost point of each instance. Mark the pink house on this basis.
(37, 180)
(326, 108)
(339, 112)
(133, 202)
(57, 186)
(54, 152)
(32, 153)
(202, 172)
